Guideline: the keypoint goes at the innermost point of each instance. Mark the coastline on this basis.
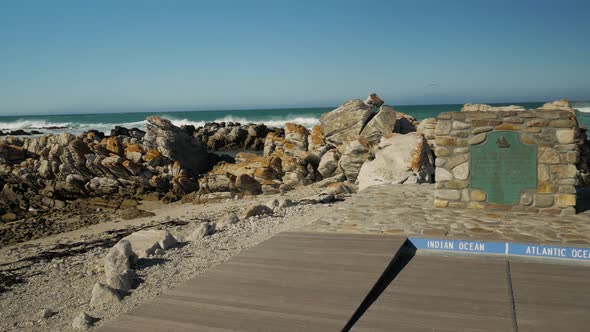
(70, 201)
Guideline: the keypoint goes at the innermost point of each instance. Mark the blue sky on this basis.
(86, 56)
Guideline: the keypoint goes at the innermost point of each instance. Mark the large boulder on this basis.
(345, 123)
(380, 124)
(144, 243)
(397, 159)
(175, 144)
(354, 155)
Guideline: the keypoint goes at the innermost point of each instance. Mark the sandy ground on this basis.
(59, 271)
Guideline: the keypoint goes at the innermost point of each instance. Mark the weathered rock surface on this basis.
(344, 124)
(382, 123)
(175, 144)
(233, 135)
(144, 243)
(257, 210)
(202, 230)
(399, 158)
(229, 219)
(45, 171)
(354, 155)
(558, 105)
(103, 295)
(373, 100)
(83, 321)
(487, 108)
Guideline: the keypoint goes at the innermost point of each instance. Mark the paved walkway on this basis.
(317, 281)
(408, 210)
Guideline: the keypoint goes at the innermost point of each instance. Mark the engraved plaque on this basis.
(503, 167)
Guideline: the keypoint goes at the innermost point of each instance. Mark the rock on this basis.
(8, 217)
(296, 135)
(135, 213)
(229, 219)
(329, 163)
(315, 140)
(558, 105)
(380, 124)
(427, 127)
(103, 295)
(120, 258)
(354, 155)
(145, 242)
(405, 123)
(285, 203)
(248, 184)
(83, 321)
(488, 108)
(101, 186)
(159, 252)
(202, 230)
(257, 210)
(175, 144)
(11, 153)
(344, 124)
(121, 281)
(46, 313)
(397, 158)
(373, 100)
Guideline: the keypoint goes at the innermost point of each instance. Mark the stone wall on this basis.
(555, 134)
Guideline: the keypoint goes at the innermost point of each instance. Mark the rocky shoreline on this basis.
(120, 217)
(95, 172)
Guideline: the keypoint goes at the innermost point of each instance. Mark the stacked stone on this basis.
(556, 135)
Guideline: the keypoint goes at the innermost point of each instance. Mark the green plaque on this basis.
(503, 167)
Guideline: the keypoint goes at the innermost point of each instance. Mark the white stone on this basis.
(328, 164)
(395, 159)
(202, 230)
(120, 257)
(122, 281)
(144, 243)
(103, 295)
(461, 172)
(442, 174)
(565, 136)
(82, 322)
(229, 219)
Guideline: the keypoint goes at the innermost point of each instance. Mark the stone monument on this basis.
(509, 159)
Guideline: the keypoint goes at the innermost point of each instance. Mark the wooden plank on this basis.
(551, 297)
(291, 282)
(435, 293)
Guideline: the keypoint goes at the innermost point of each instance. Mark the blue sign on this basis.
(505, 248)
(459, 245)
(549, 251)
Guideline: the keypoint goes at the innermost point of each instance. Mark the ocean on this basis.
(77, 123)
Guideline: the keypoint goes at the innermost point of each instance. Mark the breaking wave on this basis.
(79, 127)
(582, 106)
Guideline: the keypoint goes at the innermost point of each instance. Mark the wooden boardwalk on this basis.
(316, 281)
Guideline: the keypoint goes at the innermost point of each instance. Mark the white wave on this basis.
(77, 128)
(31, 124)
(583, 109)
(307, 122)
